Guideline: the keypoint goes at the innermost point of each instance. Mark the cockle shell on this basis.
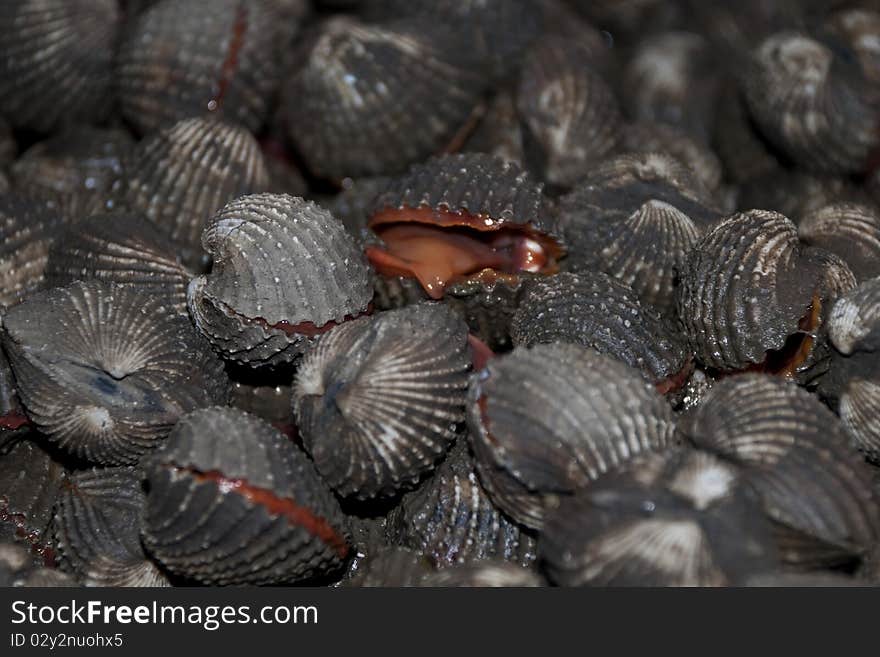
(105, 370)
(379, 400)
(849, 230)
(284, 272)
(232, 501)
(547, 421)
(17, 569)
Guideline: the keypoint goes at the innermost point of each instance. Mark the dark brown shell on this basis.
(98, 529)
(74, 171)
(379, 400)
(232, 501)
(27, 230)
(284, 271)
(794, 452)
(30, 482)
(368, 100)
(571, 119)
(105, 371)
(813, 104)
(56, 61)
(451, 520)
(498, 30)
(752, 296)
(682, 519)
(848, 230)
(672, 78)
(854, 330)
(187, 58)
(545, 422)
(636, 217)
(181, 176)
(594, 310)
(120, 248)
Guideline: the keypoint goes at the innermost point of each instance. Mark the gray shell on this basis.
(232, 501)
(277, 259)
(488, 573)
(17, 569)
(594, 310)
(451, 520)
(750, 292)
(182, 175)
(8, 147)
(378, 400)
(98, 529)
(636, 217)
(56, 61)
(813, 104)
(677, 519)
(105, 371)
(369, 99)
(187, 58)
(547, 421)
(854, 330)
(27, 230)
(794, 452)
(849, 230)
(120, 248)
(570, 116)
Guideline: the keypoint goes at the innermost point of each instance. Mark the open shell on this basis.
(232, 501)
(379, 400)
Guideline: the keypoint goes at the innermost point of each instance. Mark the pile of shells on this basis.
(439, 293)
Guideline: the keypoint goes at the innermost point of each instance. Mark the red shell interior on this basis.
(439, 247)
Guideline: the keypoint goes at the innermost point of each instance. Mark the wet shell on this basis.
(17, 569)
(120, 248)
(814, 105)
(673, 78)
(74, 171)
(232, 501)
(545, 422)
(753, 297)
(594, 310)
(451, 520)
(98, 529)
(794, 452)
(854, 330)
(181, 176)
(848, 230)
(370, 99)
(187, 58)
(636, 217)
(499, 31)
(284, 272)
(683, 519)
(105, 371)
(56, 60)
(571, 119)
(484, 574)
(30, 481)
(27, 230)
(378, 400)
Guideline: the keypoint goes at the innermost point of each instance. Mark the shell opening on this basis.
(786, 360)
(302, 329)
(440, 247)
(285, 507)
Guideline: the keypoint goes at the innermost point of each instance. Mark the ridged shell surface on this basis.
(547, 421)
(98, 529)
(378, 400)
(594, 310)
(105, 371)
(570, 116)
(489, 573)
(794, 452)
(370, 99)
(17, 569)
(56, 61)
(284, 270)
(683, 519)
(120, 248)
(187, 58)
(849, 230)
(232, 501)
(184, 174)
